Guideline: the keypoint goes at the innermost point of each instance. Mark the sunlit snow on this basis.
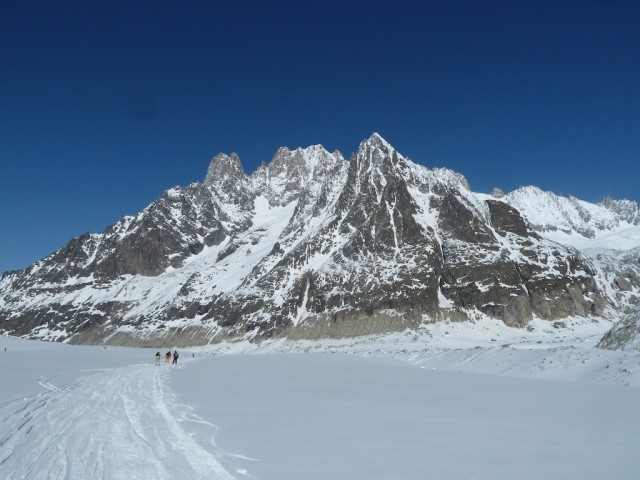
(452, 400)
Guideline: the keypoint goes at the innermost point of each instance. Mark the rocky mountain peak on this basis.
(292, 172)
(227, 179)
(374, 164)
(376, 141)
(376, 149)
(497, 193)
(223, 166)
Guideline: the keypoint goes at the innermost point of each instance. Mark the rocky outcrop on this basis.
(226, 177)
(625, 335)
(627, 210)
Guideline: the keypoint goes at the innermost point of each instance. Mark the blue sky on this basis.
(104, 105)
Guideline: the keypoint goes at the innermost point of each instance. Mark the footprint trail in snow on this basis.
(117, 424)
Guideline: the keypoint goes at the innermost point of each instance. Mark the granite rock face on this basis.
(309, 245)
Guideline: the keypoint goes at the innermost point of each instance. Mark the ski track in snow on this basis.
(119, 424)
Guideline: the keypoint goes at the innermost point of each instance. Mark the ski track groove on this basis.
(112, 425)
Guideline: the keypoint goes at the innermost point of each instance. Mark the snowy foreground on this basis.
(455, 401)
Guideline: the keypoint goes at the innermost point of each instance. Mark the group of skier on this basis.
(167, 357)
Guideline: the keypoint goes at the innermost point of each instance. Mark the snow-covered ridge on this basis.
(548, 212)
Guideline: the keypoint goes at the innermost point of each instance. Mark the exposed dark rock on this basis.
(624, 285)
(506, 219)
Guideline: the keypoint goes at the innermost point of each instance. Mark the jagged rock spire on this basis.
(292, 172)
(497, 193)
(223, 166)
(227, 178)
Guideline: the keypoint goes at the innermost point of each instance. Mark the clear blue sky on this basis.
(104, 105)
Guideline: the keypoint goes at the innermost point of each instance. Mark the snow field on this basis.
(319, 416)
(454, 404)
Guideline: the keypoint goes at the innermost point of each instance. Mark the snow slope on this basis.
(459, 400)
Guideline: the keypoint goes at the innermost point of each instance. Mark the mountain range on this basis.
(313, 245)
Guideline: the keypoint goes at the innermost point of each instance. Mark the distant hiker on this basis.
(175, 357)
(167, 357)
(158, 358)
